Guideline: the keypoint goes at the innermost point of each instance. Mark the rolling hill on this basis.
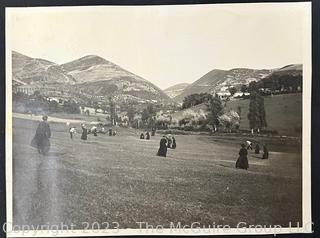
(27, 70)
(219, 80)
(90, 75)
(216, 79)
(176, 90)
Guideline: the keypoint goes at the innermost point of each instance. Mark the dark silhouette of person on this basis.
(242, 162)
(153, 131)
(257, 149)
(163, 147)
(147, 135)
(169, 142)
(265, 152)
(174, 145)
(41, 139)
(141, 136)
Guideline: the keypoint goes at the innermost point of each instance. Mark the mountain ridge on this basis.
(90, 73)
(219, 80)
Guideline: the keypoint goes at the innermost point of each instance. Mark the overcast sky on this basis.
(165, 45)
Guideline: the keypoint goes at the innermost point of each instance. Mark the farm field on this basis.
(120, 179)
(283, 113)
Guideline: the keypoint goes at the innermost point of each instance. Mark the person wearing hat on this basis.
(242, 162)
(41, 139)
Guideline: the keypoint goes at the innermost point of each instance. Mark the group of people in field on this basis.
(167, 141)
(93, 130)
(43, 133)
(145, 136)
(242, 161)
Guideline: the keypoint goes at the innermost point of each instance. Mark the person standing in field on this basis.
(41, 139)
(141, 136)
(163, 147)
(242, 162)
(249, 145)
(84, 135)
(169, 141)
(147, 135)
(174, 145)
(94, 130)
(265, 152)
(153, 131)
(72, 131)
(257, 149)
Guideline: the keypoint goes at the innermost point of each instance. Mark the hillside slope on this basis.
(98, 76)
(88, 76)
(27, 70)
(283, 113)
(216, 79)
(176, 89)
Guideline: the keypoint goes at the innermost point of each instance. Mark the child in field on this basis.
(72, 131)
(249, 145)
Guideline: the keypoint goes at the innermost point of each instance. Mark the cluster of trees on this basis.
(216, 117)
(230, 121)
(285, 82)
(257, 114)
(212, 119)
(276, 82)
(193, 120)
(195, 99)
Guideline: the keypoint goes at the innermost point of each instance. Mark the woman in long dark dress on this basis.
(265, 152)
(41, 139)
(163, 147)
(257, 149)
(84, 135)
(242, 162)
(147, 135)
(141, 136)
(174, 145)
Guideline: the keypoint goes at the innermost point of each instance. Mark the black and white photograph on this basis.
(163, 119)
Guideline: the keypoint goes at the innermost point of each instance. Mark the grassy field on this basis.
(120, 179)
(283, 113)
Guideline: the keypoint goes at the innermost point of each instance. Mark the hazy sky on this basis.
(165, 45)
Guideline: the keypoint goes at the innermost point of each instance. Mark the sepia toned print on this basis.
(158, 119)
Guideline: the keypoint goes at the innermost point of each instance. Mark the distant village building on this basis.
(224, 95)
(26, 89)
